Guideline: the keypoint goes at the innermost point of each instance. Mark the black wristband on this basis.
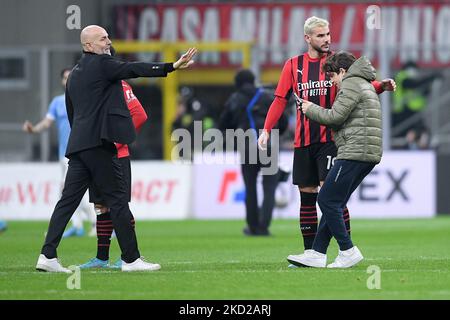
(168, 67)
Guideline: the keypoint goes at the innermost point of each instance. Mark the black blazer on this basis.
(95, 101)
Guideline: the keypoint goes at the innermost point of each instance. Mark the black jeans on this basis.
(342, 180)
(256, 221)
(99, 166)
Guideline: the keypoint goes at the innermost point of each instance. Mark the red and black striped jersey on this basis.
(138, 115)
(303, 75)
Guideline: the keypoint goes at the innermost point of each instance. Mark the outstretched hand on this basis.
(388, 85)
(185, 60)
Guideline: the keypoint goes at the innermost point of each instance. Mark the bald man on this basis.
(98, 116)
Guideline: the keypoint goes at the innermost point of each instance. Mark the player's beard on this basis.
(320, 50)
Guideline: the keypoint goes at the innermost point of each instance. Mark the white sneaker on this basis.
(310, 258)
(50, 265)
(347, 258)
(140, 265)
(293, 266)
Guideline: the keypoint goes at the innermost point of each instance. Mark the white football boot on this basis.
(140, 265)
(347, 258)
(310, 258)
(50, 265)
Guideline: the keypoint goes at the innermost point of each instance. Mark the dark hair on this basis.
(244, 76)
(336, 61)
(64, 71)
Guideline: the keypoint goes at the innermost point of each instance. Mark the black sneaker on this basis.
(255, 232)
(248, 232)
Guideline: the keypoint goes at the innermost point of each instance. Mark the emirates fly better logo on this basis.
(314, 88)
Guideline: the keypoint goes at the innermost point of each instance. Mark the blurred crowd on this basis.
(410, 103)
(409, 106)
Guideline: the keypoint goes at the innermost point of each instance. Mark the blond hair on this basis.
(313, 22)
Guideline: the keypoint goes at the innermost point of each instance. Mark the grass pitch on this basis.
(213, 260)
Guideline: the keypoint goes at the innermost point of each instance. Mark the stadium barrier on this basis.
(403, 185)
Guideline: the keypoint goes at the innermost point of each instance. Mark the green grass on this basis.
(213, 260)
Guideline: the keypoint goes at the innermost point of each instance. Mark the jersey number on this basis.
(330, 162)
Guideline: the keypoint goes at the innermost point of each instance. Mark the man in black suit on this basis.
(99, 116)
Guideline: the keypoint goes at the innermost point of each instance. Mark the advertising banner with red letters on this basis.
(414, 31)
(403, 185)
(160, 190)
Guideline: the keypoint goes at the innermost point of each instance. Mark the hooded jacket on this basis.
(355, 116)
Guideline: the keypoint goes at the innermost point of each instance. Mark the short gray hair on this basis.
(313, 22)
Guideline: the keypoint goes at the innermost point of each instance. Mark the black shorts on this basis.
(95, 195)
(312, 164)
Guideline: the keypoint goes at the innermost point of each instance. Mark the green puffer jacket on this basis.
(355, 116)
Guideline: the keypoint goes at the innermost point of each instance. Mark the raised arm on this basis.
(45, 123)
(384, 85)
(115, 69)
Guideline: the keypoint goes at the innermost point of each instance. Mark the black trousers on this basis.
(256, 220)
(342, 180)
(95, 195)
(101, 167)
